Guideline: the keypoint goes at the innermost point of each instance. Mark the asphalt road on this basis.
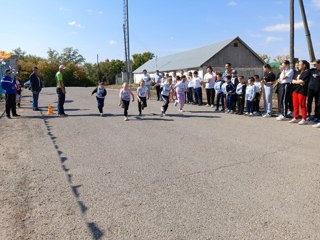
(196, 175)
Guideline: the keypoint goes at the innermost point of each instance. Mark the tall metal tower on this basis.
(126, 39)
(306, 28)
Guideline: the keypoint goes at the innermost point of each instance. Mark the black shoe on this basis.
(9, 117)
(16, 115)
(63, 115)
(36, 109)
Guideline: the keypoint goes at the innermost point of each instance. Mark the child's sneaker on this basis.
(175, 103)
(293, 120)
(126, 119)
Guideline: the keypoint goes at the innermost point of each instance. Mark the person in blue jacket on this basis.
(9, 86)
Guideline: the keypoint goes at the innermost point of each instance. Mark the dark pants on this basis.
(198, 95)
(35, 98)
(283, 98)
(290, 92)
(100, 102)
(125, 105)
(11, 104)
(313, 94)
(240, 103)
(61, 100)
(165, 103)
(220, 100)
(158, 90)
(142, 104)
(230, 98)
(210, 95)
(256, 103)
(249, 106)
(190, 95)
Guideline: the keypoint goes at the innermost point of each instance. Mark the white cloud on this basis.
(90, 11)
(61, 9)
(316, 3)
(283, 27)
(232, 4)
(75, 24)
(271, 39)
(112, 42)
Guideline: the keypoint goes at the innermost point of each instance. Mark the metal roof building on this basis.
(235, 51)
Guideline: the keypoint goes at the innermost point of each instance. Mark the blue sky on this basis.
(160, 26)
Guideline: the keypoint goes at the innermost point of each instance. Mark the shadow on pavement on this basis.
(95, 231)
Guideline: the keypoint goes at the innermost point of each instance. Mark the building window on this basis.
(235, 44)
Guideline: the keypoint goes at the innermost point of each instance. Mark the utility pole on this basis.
(306, 29)
(292, 63)
(126, 39)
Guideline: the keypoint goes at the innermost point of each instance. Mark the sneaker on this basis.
(293, 120)
(176, 103)
(207, 105)
(216, 110)
(280, 117)
(250, 114)
(303, 122)
(101, 114)
(212, 106)
(16, 115)
(126, 119)
(290, 114)
(316, 125)
(228, 111)
(266, 115)
(222, 110)
(231, 112)
(181, 110)
(162, 109)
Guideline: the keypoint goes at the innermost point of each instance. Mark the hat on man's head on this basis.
(62, 67)
(8, 70)
(316, 61)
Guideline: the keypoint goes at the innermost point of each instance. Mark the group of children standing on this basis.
(226, 92)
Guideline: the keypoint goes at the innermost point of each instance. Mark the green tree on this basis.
(281, 58)
(70, 55)
(140, 58)
(19, 52)
(53, 55)
(265, 57)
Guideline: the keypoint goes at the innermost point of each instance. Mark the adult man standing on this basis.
(284, 81)
(8, 85)
(147, 79)
(61, 90)
(36, 86)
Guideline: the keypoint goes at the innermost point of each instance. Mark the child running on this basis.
(165, 93)
(124, 95)
(181, 87)
(101, 93)
(142, 96)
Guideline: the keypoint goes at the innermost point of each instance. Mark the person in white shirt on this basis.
(181, 87)
(165, 94)
(256, 102)
(197, 83)
(250, 94)
(124, 95)
(142, 97)
(147, 79)
(219, 93)
(157, 79)
(190, 88)
(209, 79)
(284, 81)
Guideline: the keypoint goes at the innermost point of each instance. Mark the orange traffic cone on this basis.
(50, 112)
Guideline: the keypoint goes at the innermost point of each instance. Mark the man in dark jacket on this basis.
(36, 86)
(8, 85)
